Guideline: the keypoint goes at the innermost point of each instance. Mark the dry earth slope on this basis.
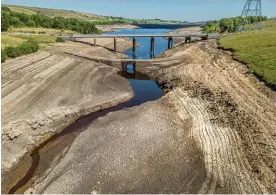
(43, 93)
(215, 120)
(212, 103)
(234, 122)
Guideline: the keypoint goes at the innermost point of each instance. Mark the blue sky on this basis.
(189, 10)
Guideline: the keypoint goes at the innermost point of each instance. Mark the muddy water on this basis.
(48, 155)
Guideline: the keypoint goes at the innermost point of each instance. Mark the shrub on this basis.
(31, 23)
(34, 45)
(25, 48)
(12, 52)
(28, 47)
(3, 55)
(60, 39)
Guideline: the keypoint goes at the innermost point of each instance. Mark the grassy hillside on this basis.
(13, 20)
(256, 49)
(20, 10)
(53, 12)
(96, 19)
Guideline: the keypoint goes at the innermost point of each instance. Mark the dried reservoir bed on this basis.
(212, 132)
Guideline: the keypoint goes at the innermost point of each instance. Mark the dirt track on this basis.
(215, 120)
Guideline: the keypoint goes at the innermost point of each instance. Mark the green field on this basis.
(256, 49)
(15, 40)
(7, 40)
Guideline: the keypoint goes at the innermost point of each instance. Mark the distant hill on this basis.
(96, 19)
(53, 12)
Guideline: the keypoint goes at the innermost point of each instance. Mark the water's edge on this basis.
(144, 89)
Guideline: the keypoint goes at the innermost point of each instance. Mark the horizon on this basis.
(166, 10)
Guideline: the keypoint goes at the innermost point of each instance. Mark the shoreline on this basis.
(114, 28)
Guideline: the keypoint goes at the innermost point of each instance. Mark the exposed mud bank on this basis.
(212, 132)
(208, 101)
(234, 117)
(44, 93)
(125, 151)
(236, 120)
(112, 28)
(66, 137)
(45, 130)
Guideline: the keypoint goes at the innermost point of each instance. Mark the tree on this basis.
(224, 24)
(23, 17)
(237, 23)
(3, 55)
(31, 23)
(5, 22)
(14, 21)
(5, 8)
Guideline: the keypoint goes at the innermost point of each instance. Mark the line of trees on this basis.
(16, 19)
(230, 24)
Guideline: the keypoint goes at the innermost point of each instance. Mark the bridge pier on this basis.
(95, 42)
(152, 47)
(188, 40)
(205, 37)
(125, 71)
(72, 38)
(170, 43)
(134, 46)
(115, 45)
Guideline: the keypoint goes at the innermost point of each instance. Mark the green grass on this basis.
(52, 12)
(256, 49)
(8, 40)
(16, 40)
(21, 10)
(38, 38)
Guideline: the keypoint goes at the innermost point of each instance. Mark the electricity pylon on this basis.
(251, 8)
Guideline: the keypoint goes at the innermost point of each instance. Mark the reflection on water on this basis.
(130, 68)
(143, 51)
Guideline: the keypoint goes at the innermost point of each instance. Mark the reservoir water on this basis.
(143, 51)
(144, 89)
